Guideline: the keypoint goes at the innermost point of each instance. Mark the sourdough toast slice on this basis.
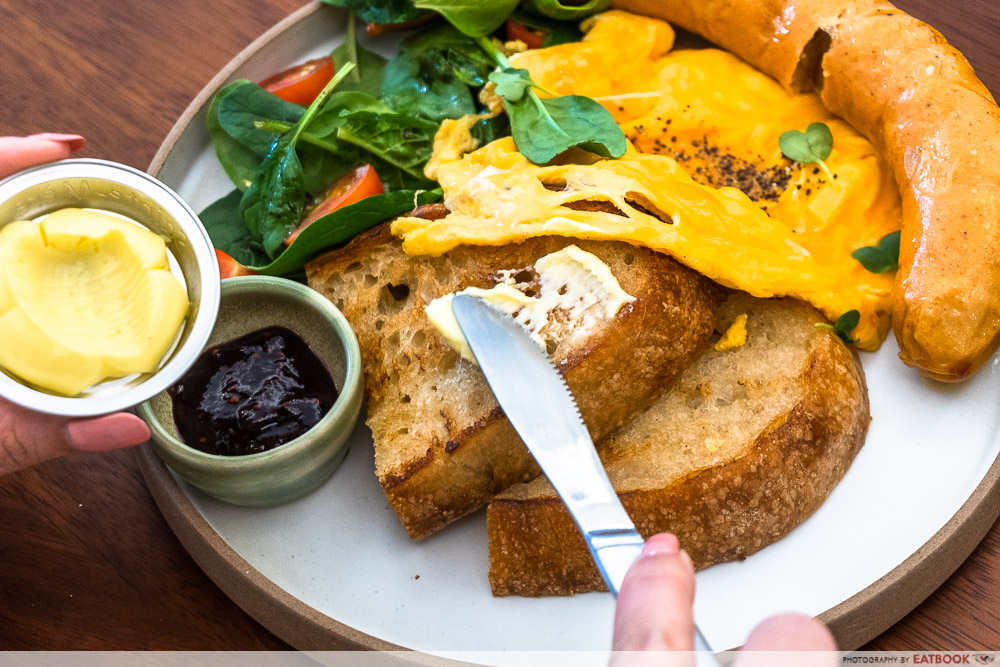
(748, 443)
(443, 447)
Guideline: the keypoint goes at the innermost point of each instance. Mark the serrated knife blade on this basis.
(540, 406)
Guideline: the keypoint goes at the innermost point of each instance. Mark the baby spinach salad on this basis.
(292, 165)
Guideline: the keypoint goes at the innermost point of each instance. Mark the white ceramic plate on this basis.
(883, 540)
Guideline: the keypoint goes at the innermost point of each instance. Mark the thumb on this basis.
(654, 610)
(28, 438)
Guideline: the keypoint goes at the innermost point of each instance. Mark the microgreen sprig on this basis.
(813, 145)
(881, 257)
(844, 325)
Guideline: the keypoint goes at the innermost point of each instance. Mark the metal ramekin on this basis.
(99, 184)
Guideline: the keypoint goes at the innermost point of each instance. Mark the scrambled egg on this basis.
(735, 336)
(703, 181)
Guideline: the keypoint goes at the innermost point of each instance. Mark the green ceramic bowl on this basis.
(294, 469)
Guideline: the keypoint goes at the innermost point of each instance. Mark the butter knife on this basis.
(536, 400)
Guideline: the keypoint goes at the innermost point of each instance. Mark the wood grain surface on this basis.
(86, 559)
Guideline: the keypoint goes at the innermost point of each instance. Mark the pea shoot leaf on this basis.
(844, 325)
(512, 83)
(881, 257)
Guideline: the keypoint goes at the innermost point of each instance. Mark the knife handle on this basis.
(614, 550)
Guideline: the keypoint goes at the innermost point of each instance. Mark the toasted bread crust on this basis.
(720, 513)
(900, 83)
(433, 476)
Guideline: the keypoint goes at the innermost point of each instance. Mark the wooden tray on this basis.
(921, 495)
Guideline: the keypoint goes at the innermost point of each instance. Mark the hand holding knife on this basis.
(544, 413)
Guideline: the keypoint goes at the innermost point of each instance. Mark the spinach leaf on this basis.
(321, 167)
(844, 325)
(225, 227)
(272, 204)
(330, 118)
(567, 11)
(475, 18)
(380, 11)
(544, 128)
(423, 82)
(248, 103)
(370, 67)
(357, 128)
(433, 72)
(403, 140)
(882, 257)
(238, 161)
(558, 32)
(487, 130)
(462, 54)
(344, 224)
(230, 235)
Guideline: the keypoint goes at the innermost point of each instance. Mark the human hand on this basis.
(654, 613)
(27, 437)
(17, 153)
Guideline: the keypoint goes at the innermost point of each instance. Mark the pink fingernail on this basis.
(661, 544)
(108, 432)
(74, 141)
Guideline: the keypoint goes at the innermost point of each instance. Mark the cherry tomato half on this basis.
(533, 38)
(352, 187)
(302, 83)
(375, 29)
(230, 268)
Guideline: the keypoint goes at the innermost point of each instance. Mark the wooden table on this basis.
(86, 560)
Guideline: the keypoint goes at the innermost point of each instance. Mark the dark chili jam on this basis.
(252, 394)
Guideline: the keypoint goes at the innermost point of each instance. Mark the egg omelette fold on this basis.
(703, 179)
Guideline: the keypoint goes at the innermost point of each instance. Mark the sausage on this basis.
(919, 102)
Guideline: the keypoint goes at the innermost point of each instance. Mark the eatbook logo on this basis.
(984, 659)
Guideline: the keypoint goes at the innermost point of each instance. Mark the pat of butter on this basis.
(502, 297)
(85, 296)
(735, 336)
(571, 280)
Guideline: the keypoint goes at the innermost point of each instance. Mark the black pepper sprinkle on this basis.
(713, 166)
